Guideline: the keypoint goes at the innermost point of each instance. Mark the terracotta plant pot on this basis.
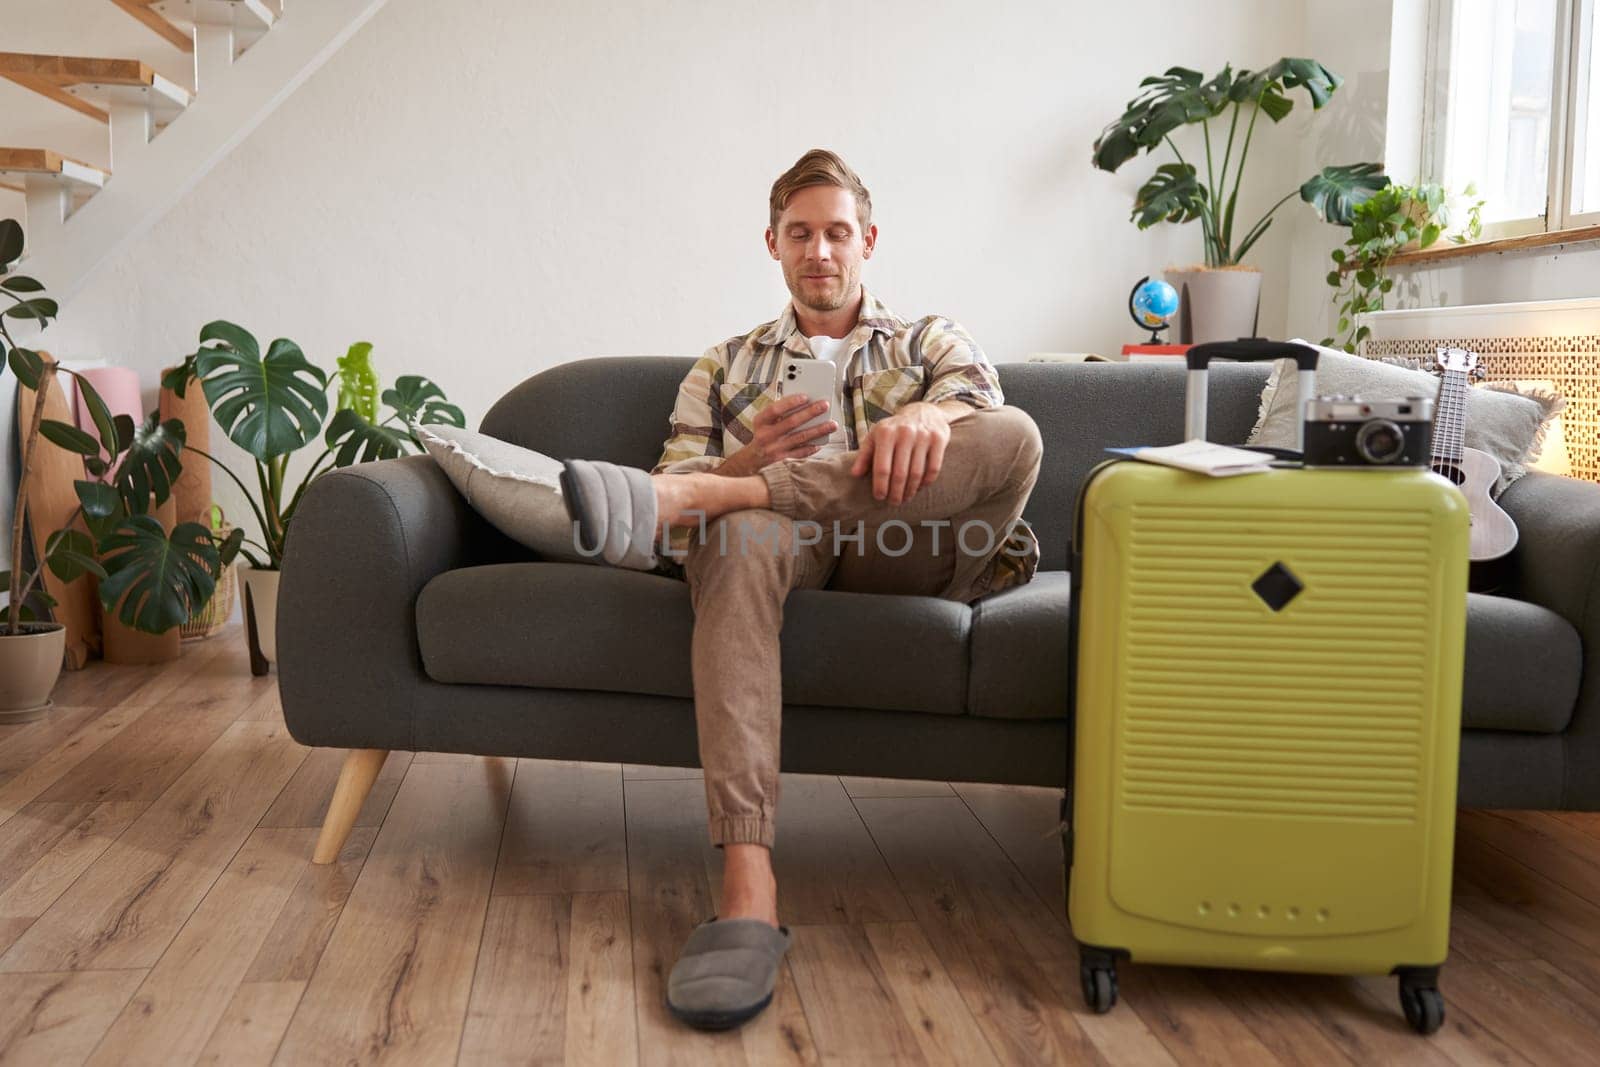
(30, 663)
(1216, 304)
(260, 616)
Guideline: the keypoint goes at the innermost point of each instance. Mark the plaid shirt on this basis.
(892, 362)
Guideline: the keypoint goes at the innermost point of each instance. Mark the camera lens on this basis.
(1380, 441)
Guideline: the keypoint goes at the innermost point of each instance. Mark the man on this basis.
(914, 484)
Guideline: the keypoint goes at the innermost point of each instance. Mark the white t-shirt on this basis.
(836, 350)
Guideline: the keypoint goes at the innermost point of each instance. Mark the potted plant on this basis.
(151, 581)
(1221, 297)
(1398, 218)
(271, 406)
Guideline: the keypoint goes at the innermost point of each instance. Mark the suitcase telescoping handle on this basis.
(1245, 350)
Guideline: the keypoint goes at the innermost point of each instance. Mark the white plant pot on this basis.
(1216, 305)
(30, 663)
(262, 600)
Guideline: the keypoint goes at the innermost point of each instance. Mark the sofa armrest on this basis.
(362, 544)
(1556, 565)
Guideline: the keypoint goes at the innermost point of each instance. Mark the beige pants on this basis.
(741, 567)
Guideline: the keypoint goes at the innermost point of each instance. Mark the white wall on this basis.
(1351, 38)
(492, 191)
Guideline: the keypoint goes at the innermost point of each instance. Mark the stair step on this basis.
(84, 83)
(24, 163)
(171, 18)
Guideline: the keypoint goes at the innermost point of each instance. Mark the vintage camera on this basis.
(1346, 431)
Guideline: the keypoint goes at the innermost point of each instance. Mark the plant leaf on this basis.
(1167, 102)
(235, 337)
(267, 406)
(152, 463)
(230, 546)
(1173, 194)
(178, 378)
(359, 441)
(27, 365)
(415, 397)
(69, 437)
(1336, 191)
(154, 583)
(10, 242)
(70, 554)
(99, 500)
(1286, 75)
(436, 412)
(40, 307)
(358, 382)
(21, 283)
(104, 425)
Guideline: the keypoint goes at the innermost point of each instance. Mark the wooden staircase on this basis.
(132, 100)
(53, 184)
(247, 57)
(169, 18)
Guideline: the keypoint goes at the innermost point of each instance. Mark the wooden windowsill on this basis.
(1445, 251)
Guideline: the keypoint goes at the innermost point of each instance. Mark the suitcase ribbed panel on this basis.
(1232, 707)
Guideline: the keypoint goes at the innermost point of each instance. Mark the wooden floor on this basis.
(157, 905)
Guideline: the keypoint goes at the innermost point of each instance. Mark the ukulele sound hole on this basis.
(1451, 471)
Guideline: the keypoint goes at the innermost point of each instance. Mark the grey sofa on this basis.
(407, 622)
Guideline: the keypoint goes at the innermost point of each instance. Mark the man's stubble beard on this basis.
(833, 304)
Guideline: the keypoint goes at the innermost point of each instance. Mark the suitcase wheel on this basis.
(1422, 1002)
(1099, 986)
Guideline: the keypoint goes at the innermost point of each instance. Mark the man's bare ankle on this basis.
(749, 888)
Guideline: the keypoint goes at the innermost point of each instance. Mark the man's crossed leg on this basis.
(774, 531)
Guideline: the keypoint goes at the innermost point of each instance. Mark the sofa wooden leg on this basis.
(360, 770)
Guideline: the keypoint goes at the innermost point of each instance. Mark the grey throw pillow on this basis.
(516, 489)
(1503, 424)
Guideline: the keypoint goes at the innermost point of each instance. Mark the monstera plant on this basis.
(271, 405)
(1221, 297)
(1176, 193)
(152, 581)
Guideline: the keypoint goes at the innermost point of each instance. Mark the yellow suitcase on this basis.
(1267, 718)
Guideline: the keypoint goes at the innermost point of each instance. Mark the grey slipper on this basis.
(615, 509)
(726, 972)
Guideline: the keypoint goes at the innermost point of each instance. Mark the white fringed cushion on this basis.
(516, 489)
(1503, 424)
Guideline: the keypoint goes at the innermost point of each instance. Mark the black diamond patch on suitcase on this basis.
(1277, 586)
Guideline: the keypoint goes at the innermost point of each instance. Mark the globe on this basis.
(1154, 302)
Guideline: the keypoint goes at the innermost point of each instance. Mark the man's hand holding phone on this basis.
(778, 435)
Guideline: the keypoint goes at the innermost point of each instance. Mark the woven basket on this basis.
(211, 618)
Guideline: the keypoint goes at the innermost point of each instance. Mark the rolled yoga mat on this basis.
(117, 386)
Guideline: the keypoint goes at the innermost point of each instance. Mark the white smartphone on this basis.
(816, 378)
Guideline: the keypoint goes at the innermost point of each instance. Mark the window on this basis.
(1511, 106)
(1584, 204)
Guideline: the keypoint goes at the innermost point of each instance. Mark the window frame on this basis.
(1575, 23)
(1582, 82)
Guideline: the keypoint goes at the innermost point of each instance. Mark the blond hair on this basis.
(820, 167)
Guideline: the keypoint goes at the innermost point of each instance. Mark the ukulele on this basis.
(1475, 472)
